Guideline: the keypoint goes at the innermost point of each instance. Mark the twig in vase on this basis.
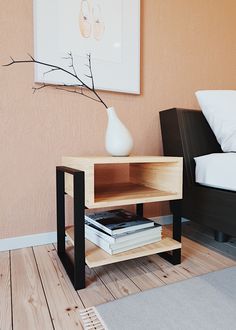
(82, 85)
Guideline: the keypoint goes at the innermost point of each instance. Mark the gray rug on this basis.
(206, 302)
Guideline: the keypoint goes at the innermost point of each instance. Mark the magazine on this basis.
(123, 246)
(136, 234)
(116, 222)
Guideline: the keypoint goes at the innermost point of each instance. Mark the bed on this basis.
(186, 133)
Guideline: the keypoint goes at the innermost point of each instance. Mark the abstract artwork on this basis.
(109, 30)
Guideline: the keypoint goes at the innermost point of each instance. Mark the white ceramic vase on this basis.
(119, 141)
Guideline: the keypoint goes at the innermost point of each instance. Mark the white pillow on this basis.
(219, 108)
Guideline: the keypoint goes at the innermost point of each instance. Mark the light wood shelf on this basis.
(126, 192)
(132, 180)
(95, 256)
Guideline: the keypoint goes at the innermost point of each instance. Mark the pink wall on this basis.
(186, 45)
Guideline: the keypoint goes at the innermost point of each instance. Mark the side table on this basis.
(97, 182)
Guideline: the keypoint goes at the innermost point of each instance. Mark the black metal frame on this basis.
(76, 269)
(174, 257)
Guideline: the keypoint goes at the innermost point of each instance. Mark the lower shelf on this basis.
(95, 256)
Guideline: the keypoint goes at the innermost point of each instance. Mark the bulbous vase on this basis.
(118, 140)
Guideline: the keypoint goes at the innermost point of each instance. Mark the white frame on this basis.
(122, 75)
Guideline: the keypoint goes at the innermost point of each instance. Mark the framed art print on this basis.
(109, 30)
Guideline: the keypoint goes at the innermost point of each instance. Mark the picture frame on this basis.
(109, 30)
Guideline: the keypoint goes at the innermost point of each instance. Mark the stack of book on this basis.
(116, 231)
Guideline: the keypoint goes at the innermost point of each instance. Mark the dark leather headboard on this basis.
(186, 133)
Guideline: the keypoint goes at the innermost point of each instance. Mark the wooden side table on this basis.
(96, 182)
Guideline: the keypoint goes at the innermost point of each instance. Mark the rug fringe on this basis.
(91, 319)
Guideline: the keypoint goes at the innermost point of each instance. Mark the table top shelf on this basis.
(114, 181)
(118, 160)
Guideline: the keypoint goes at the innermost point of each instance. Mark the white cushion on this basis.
(219, 108)
(216, 170)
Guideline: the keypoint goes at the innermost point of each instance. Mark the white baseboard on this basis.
(27, 241)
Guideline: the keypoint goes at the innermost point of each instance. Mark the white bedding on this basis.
(217, 170)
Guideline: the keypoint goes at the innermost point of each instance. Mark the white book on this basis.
(120, 247)
(147, 232)
(136, 245)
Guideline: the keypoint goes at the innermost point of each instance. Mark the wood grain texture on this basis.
(163, 176)
(148, 179)
(104, 283)
(30, 309)
(209, 259)
(95, 256)
(126, 193)
(116, 281)
(140, 276)
(5, 292)
(84, 161)
(165, 274)
(63, 301)
(96, 292)
(204, 252)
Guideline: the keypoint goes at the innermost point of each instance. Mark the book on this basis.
(122, 246)
(136, 234)
(135, 245)
(116, 222)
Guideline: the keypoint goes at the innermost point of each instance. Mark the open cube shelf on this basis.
(112, 181)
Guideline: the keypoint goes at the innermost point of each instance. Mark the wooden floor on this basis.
(35, 292)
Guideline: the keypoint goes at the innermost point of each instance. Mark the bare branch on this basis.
(10, 63)
(77, 92)
(30, 56)
(90, 69)
(52, 70)
(70, 57)
(74, 85)
(53, 67)
(48, 65)
(35, 89)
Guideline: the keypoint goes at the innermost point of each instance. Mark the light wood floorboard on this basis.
(140, 276)
(30, 309)
(35, 283)
(63, 300)
(96, 292)
(5, 292)
(116, 281)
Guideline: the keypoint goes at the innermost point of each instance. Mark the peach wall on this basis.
(186, 45)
